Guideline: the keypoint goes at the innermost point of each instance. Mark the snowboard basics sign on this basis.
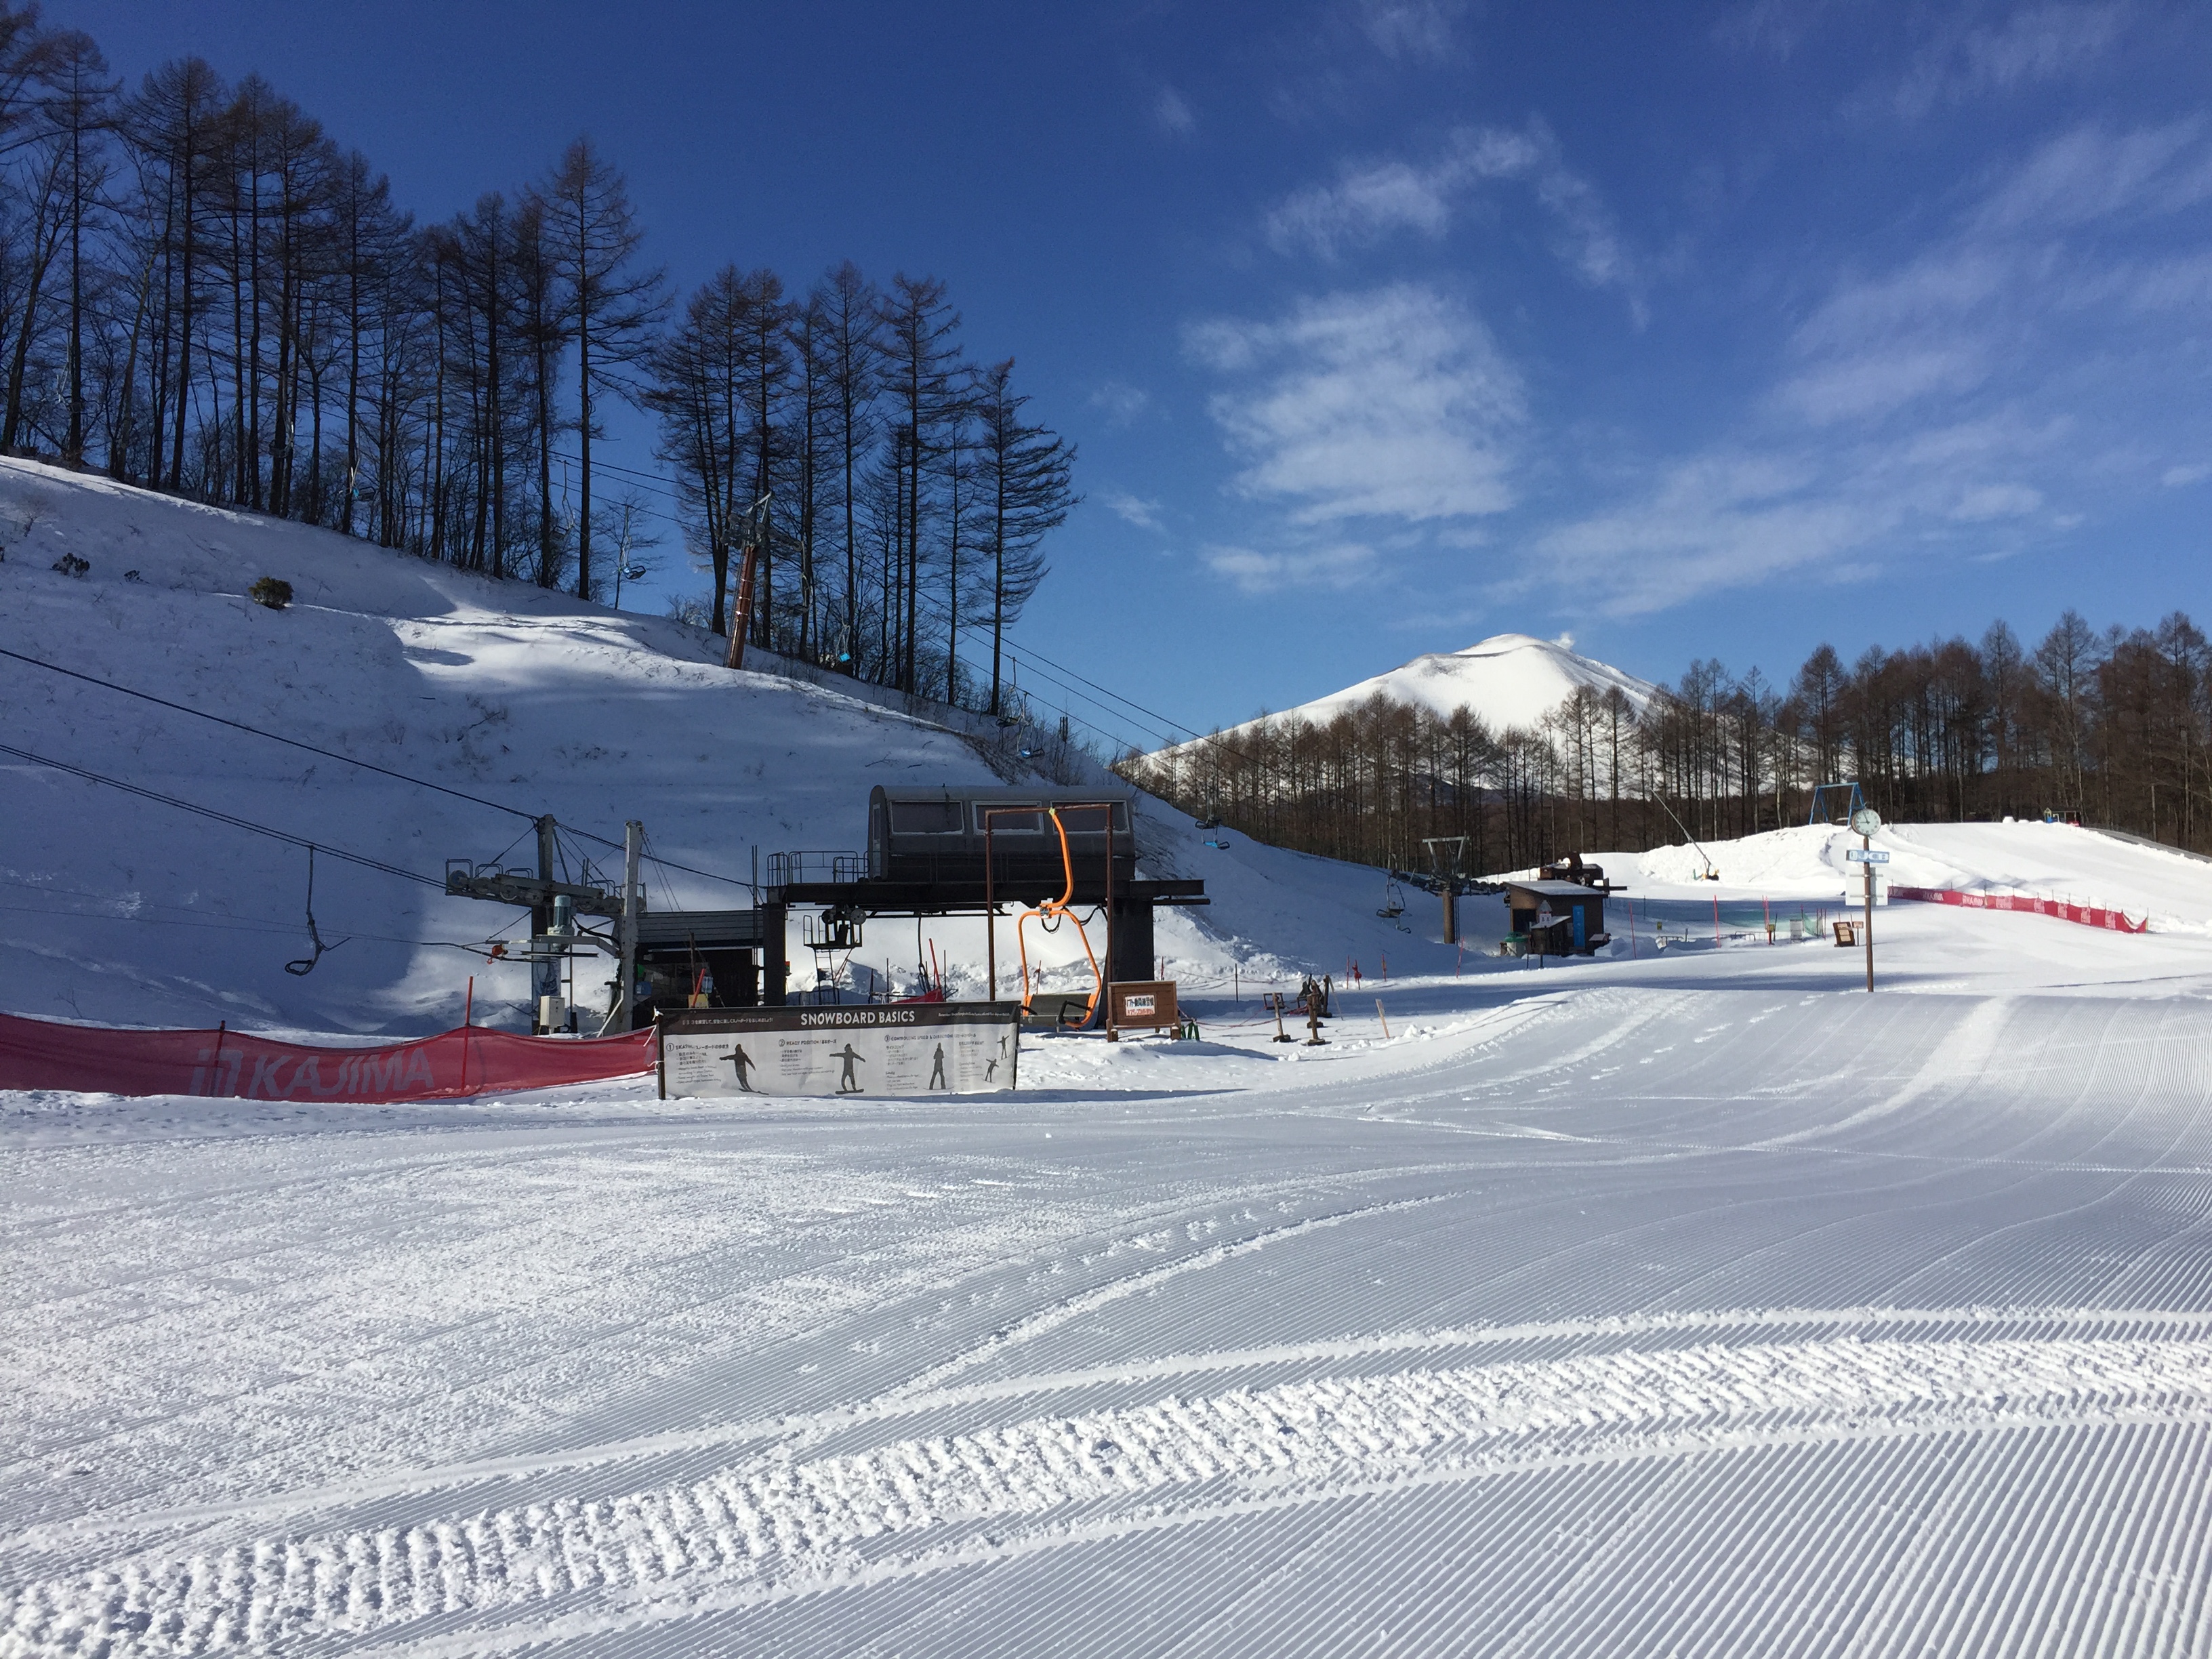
(902, 1049)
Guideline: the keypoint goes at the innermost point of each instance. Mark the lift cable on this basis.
(286, 929)
(222, 921)
(246, 824)
(1167, 728)
(333, 753)
(255, 730)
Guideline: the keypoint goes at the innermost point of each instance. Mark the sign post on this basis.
(1865, 822)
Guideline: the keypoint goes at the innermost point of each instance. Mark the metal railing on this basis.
(794, 869)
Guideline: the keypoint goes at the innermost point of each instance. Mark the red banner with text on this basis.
(2089, 915)
(39, 1053)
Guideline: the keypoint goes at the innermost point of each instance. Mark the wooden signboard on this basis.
(1139, 1003)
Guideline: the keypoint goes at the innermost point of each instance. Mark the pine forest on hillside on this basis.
(2115, 727)
(202, 292)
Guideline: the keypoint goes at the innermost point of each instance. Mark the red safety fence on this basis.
(38, 1054)
(2089, 915)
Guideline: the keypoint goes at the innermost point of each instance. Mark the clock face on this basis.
(1865, 821)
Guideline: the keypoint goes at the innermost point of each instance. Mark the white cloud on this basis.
(1392, 403)
(1121, 402)
(1776, 27)
(2021, 264)
(1342, 565)
(1372, 199)
(2091, 173)
(1408, 28)
(1876, 344)
(2035, 44)
(1144, 515)
(2183, 284)
(1876, 380)
(1714, 522)
(1987, 502)
(1172, 114)
(2177, 477)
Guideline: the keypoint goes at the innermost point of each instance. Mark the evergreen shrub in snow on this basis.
(272, 590)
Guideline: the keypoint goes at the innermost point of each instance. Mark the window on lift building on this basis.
(925, 818)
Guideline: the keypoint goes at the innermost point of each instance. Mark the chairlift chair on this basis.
(1393, 904)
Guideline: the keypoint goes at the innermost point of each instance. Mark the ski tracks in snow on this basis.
(775, 1523)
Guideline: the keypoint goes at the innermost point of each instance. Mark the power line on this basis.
(245, 825)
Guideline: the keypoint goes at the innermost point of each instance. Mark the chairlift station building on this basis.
(1560, 918)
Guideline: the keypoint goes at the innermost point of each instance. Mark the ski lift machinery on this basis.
(1854, 802)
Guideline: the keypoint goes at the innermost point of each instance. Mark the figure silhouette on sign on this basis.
(744, 1063)
(937, 1072)
(847, 1085)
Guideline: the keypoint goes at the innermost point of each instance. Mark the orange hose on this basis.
(1059, 906)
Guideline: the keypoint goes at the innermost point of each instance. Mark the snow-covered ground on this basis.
(1680, 1301)
(1670, 1307)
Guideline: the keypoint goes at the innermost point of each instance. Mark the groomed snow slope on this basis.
(116, 909)
(1692, 1301)
(1676, 1309)
(1509, 680)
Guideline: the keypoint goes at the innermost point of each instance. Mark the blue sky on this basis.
(1386, 324)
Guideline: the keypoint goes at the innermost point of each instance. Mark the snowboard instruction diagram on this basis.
(861, 1050)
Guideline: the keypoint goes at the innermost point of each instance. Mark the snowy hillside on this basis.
(2048, 860)
(116, 907)
(1509, 680)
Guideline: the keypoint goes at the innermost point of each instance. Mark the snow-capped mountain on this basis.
(1508, 679)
